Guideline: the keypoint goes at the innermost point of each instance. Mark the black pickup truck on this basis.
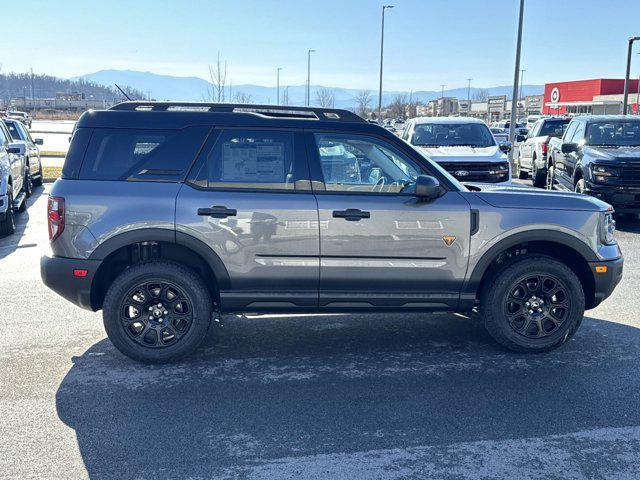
(599, 156)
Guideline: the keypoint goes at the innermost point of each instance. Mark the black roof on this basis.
(171, 115)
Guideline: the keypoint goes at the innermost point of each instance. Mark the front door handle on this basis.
(218, 211)
(351, 214)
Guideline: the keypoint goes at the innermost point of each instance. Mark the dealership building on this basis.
(599, 96)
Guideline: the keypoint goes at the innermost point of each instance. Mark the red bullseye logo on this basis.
(555, 95)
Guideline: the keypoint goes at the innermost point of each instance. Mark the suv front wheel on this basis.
(534, 304)
(157, 311)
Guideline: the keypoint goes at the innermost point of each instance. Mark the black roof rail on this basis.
(269, 111)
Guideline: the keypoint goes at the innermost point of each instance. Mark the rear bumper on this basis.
(606, 281)
(58, 274)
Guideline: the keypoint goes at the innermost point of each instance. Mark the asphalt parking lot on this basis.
(313, 397)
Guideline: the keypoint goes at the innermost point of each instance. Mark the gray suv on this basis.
(169, 214)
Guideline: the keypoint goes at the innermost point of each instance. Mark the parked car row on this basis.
(20, 170)
(22, 117)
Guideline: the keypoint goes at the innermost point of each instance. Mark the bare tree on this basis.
(218, 74)
(481, 95)
(325, 97)
(241, 97)
(363, 103)
(398, 107)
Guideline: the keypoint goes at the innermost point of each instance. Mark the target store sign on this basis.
(555, 95)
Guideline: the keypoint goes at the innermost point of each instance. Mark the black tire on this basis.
(118, 303)
(27, 185)
(539, 176)
(521, 173)
(541, 331)
(37, 182)
(8, 225)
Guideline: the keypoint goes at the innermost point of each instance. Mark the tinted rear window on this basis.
(153, 155)
(554, 128)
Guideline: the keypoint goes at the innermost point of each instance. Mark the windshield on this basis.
(553, 128)
(453, 134)
(614, 134)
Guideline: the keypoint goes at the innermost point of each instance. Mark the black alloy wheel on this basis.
(537, 305)
(156, 313)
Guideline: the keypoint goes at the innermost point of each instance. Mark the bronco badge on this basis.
(448, 240)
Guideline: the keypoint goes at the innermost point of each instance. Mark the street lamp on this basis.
(384, 7)
(516, 80)
(521, 82)
(278, 85)
(309, 52)
(469, 93)
(442, 100)
(626, 77)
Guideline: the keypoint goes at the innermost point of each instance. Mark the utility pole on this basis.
(384, 7)
(278, 85)
(626, 77)
(308, 99)
(516, 81)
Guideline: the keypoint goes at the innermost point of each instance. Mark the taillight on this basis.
(544, 147)
(55, 217)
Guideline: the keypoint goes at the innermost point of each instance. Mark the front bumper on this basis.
(623, 199)
(607, 275)
(58, 274)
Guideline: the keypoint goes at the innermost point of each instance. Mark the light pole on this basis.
(469, 93)
(516, 80)
(278, 85)
(522, 70)
(309, 52)
(384, 7)
(441, 113)
(626, 77)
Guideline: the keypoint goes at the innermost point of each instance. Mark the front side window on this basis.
(454, 134)
(14, 131)
(617, 134)
(247, 159)
(358, 163)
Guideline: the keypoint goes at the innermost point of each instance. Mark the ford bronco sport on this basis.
(168, 214)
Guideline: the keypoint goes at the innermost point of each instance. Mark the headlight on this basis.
(602, 173)
(607, 228)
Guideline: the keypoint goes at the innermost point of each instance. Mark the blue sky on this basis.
(428, 42)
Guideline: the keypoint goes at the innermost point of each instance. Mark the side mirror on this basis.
(568, 147)
(12, 148)
(38, 141)
(505, 146)
(520, 138)
(427, 187)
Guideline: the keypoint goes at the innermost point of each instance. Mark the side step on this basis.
(19, 199)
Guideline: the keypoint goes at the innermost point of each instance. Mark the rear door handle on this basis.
(217, 211)
(351, 214)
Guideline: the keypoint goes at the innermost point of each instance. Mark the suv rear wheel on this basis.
(8, 225)
(539, 176)
(532, 305)
(157, 312)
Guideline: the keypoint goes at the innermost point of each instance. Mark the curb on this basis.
(44, 153)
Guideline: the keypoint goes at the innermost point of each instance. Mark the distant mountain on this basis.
(167, 87)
